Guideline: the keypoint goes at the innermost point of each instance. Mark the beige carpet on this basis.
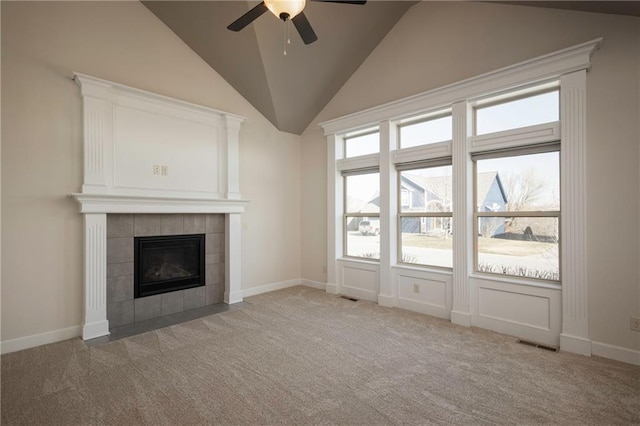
(301, 356)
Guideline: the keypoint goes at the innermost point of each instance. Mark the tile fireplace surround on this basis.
(122, 308)
(155, 165)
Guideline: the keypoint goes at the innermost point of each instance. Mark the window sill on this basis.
(418, 268)
(517, 281)
(358, 260)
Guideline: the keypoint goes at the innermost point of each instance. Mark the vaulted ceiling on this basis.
(290, 90)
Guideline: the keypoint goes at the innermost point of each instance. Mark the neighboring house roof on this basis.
(356, 205)
(485, 181)
(370, 208)
(441, 186)
(438, 187)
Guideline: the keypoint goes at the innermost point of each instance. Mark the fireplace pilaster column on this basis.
(95, 276)
(232, 261)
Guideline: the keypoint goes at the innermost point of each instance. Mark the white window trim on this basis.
(569, 66)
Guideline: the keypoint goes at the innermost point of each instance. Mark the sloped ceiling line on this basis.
(290, 91)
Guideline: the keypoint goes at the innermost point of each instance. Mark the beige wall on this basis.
(433, 45)
(42, 44)
(438, 43)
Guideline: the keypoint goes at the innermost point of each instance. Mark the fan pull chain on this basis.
(287, 37)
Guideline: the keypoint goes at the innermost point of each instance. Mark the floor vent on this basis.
(537, 345)
(349, 298)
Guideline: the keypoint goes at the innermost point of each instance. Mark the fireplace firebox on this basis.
(168, 263)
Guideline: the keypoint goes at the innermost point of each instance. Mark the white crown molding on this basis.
(97, 87)
(542, 68)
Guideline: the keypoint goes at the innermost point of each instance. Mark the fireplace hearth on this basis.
(163, 264)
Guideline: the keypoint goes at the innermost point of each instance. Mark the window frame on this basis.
(402, 167)
(513, 96)
(357, 134)
(568, 65)
(419, 119)
(477, 215)
(346, 214)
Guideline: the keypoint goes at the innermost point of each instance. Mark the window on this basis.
(362, 214)
(362, 143)
(405, 198)
(425, 221)
(505, 122)
(425, 129)
(517, 214)
(497, 115)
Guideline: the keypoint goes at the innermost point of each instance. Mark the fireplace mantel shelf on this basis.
(126, 203)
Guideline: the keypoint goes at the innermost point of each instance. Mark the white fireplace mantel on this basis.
(147, 153)
(113, 203)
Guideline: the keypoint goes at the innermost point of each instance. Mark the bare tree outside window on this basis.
(518, 214)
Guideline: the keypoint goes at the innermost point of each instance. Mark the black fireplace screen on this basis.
(168, 263)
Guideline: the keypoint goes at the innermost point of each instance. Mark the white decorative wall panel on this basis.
(516, 308)
(143, 139)
(532, 313)
(129, 131)
(426, 292)
(360, 280)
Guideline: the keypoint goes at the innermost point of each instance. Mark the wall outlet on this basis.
(635, 323)
(416, 288)
(165, 170)
(156, 170)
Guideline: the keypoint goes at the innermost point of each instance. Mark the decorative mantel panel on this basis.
(147, 153)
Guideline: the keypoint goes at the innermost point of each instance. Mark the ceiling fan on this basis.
(287, 10)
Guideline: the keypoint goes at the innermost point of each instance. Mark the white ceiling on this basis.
(290, 91)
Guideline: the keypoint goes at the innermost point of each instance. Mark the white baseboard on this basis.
(386, 301)
(27, 342)
(617, 353)
(332, 288)
(233, 297)
(424, 308)
(571, 344)
(253, 291)
(575, 344)
(461, 318)
(313, 284)
(359, 293)
(95, 329)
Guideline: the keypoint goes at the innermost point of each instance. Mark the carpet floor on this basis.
(302, 356)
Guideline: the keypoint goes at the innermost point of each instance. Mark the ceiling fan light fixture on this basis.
(285, 9)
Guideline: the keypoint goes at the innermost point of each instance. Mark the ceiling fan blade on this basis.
(343, 1)
(248, 17)
(304, 28)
